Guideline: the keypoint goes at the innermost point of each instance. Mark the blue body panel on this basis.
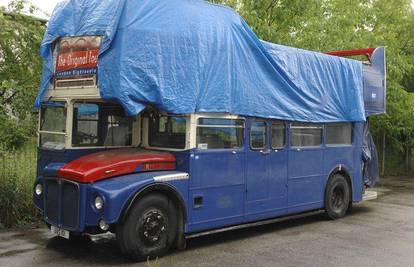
(217, 176)
(225, 186)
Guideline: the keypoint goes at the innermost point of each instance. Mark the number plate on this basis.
(59, 232)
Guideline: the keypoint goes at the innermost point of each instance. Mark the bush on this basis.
(17, 174)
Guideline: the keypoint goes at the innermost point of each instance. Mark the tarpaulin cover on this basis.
(186, 56)
(370, 159)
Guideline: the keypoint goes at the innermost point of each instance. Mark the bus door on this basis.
(278, 165)
(306, 162)
(217, 186)
(266, 170)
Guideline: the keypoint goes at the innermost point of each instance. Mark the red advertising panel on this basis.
(77, 57)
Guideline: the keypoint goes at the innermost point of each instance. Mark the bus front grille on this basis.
(62, 203)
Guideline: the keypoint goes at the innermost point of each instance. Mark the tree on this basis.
(20, 70)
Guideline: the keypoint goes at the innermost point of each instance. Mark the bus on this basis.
(157, 176)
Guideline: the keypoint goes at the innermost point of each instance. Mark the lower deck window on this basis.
(278, 135)
(167, 131)
(100, 124)
(306, 134)
(220, 133)
(258, 135)
(339, 133)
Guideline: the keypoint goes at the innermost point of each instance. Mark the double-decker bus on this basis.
(158, 177)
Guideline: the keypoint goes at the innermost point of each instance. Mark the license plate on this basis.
(59, 232)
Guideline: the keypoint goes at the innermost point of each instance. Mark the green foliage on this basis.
(20, 70)
(17, 174)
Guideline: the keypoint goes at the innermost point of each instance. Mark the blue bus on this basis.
(192, 137)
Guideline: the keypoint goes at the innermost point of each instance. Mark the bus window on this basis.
(52, 129)
(167, 131)
(278, 135)
(258, 135)
(220, 133)
(306, 134)
(338, 133)
(100, 124)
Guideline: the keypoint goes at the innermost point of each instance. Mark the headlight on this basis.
(99, 203)
(38, 189)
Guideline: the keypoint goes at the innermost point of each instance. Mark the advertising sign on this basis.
(77, 57)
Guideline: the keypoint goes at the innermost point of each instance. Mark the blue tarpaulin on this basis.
(186, 56)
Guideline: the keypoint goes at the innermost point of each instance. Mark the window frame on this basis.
(272, 123)
(198, 125)
(338, 145)
(265, 145)
(314, 126)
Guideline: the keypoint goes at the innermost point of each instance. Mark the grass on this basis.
(17, 174)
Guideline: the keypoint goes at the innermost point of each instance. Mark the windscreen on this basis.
(100, 124)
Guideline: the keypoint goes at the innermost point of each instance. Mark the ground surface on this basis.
(376, 233)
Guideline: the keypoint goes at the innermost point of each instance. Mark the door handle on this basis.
(265, 152)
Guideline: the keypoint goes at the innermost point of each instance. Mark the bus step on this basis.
(369, 195)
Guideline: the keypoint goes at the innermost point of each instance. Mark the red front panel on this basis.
(115, 162)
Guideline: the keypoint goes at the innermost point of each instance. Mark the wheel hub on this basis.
(337, 199)
(153, 226)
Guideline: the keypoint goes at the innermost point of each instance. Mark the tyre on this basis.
(150, 228)
(337, 196)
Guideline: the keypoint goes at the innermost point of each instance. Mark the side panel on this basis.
(217, 188)
(306, 178)
(375, 87)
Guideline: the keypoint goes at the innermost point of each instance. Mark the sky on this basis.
(46, 6)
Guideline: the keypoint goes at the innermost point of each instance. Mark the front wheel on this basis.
(150, 228)
(337, 196)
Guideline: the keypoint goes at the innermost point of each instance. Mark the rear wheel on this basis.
(337, 196)
(150, 228)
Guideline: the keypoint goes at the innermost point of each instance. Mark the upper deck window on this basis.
(52, 128)
(167, 131)
(258, 135)
(339, 133)
(306, 134)
(217, 133)
(100, 124)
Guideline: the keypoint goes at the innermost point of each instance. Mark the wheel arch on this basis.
(162, 188)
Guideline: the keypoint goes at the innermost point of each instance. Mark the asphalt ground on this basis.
(375, 233)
